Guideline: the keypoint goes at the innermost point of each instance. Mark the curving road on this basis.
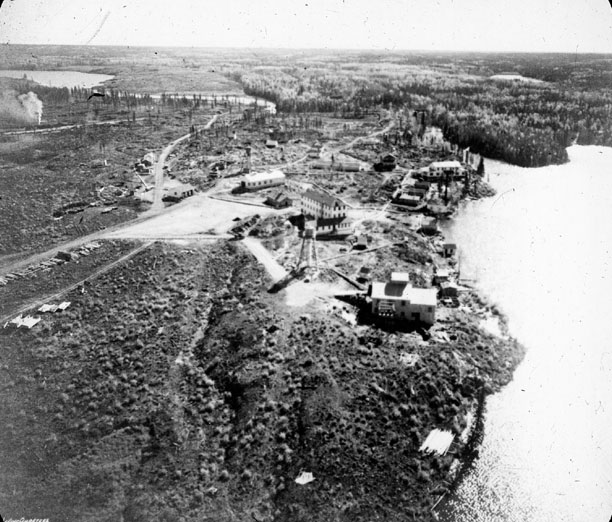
(159, 167)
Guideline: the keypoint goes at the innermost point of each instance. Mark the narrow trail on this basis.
(158, 204)
(263, 255)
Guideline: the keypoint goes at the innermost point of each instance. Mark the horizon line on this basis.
(301, 49)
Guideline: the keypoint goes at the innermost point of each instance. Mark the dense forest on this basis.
(527, 122)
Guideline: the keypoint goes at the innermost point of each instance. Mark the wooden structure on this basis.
(262, 180)
(398, 299)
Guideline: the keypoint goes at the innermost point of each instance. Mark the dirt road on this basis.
(198, 214)
(336, 150)
(263, 255)
(159, 167)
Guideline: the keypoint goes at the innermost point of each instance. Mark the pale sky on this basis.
(462, 25)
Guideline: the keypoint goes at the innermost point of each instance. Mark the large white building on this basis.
(329, 212)
(440, 170)
(261, 180)
(321, 205)
(399, 299)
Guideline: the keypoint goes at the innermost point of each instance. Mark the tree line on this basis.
(524, 123)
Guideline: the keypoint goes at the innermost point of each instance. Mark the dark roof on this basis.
(278, 194)
(395, 289)
(321, 197)
(326, 222)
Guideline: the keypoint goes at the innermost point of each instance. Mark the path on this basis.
(340, 148)
(159, 168)
(263, 255)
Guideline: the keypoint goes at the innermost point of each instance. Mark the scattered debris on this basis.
(438, 441)
(305, 477)
(48, 308)
(28, 321)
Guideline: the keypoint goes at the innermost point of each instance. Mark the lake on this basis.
(60, 78)
(88, 80)
(541, 250)
(515, 77)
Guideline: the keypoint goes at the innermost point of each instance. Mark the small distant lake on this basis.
(59, 78)
(88, 80)
(515, 78)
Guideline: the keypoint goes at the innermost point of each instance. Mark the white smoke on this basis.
(32, 105)
(19, 109)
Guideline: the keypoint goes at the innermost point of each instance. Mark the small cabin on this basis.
(178, 192)
(429, 226)
(63, 256)
(449, 249)
(149, 159)
(389, 162)
(408, 200)
(442, 275)
(361, 243)
(279, 200)
(386, 163)
(364, 275)
(449, 289)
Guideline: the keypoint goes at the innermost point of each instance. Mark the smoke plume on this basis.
(32, 105)
(20, 109)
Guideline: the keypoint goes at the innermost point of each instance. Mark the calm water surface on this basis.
(541, 249)
(59, 78)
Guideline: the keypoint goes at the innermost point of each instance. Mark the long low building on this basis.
(441, 170)
(398, 299)
(261, 180)
(177, 192)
